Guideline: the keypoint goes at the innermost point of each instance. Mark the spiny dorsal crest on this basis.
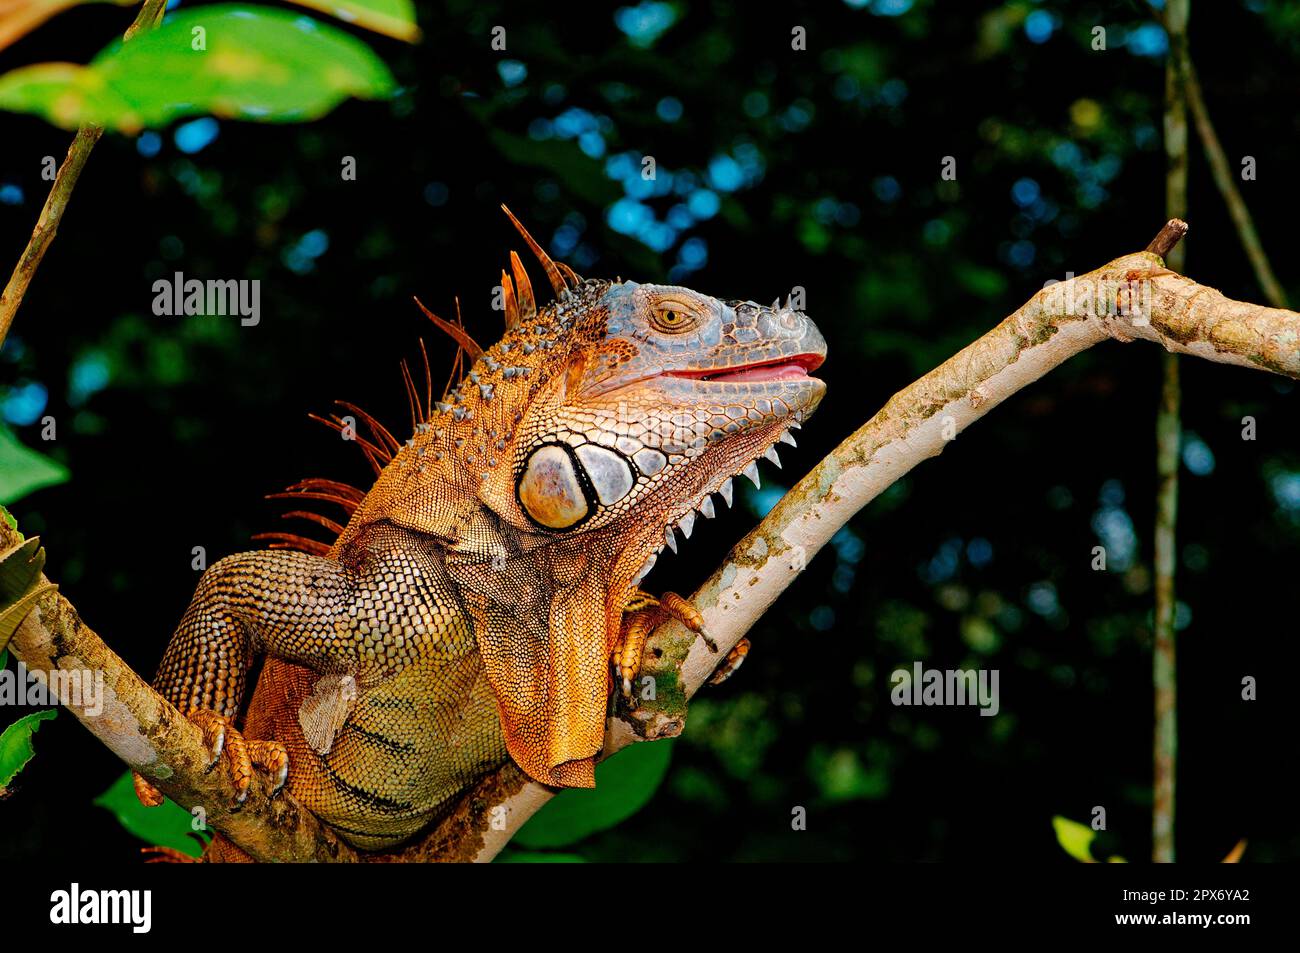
(381, 446)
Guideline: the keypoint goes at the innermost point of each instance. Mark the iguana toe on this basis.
(684, 611)
(735, 658)
(148, 795)
(272, 758)
(223, 739)
(637, 626)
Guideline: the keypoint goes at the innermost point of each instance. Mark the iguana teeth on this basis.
(796, 426)
(727, 492)
(706, 508)
(751, 471)
(670, 539)
(686, 524)
(787, 439)
(770, 454)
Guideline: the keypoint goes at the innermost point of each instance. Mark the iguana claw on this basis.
(642, 613)
(223, 738)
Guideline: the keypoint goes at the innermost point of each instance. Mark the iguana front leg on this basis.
(290, 605)
(642, 613)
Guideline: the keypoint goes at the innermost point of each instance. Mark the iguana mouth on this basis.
(777, 369)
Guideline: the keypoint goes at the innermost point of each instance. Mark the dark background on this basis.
(825, 166)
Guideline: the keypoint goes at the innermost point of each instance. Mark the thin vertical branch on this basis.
(47, 225)
(1168, 427)
(1221, 170)
(1164, 661)
(1227, 185)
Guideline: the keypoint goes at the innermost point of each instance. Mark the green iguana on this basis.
(471, 608)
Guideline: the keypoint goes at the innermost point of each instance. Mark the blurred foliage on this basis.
(231, 61)
(395, 18)
(773, 168)
(1076, 840)
(24, 471)
(167, 825)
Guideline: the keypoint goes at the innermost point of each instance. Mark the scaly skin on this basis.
(470, 609)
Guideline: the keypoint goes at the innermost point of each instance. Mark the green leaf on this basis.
(16, 744)
(20, 585)
(1075, 838)
(259, 64)
(167, 825)
(395, 18)
(24, 471)
(625, 783)
(539, 857)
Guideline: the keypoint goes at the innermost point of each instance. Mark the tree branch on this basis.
(47, 225)
(1137, 298)
(917, 423)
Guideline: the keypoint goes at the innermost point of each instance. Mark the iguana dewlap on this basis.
(469, 610)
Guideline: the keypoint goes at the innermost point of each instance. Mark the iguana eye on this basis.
(561, 488)
(672, 318)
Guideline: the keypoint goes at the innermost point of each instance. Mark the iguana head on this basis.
(565, 460)
(660, 394)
